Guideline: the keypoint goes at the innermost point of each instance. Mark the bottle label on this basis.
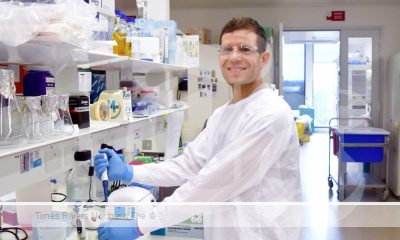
(50, 86)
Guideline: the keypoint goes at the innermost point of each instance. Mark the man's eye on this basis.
(246, 49)
(227, 49)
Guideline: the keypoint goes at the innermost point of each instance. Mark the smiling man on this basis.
(247, 153)
(242, 56)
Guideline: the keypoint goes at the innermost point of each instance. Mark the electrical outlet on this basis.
(147, 145)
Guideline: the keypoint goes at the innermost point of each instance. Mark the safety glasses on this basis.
(243, 49)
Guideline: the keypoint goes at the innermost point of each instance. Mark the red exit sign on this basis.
(337, 16)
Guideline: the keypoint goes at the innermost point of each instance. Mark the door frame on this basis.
(377, 85)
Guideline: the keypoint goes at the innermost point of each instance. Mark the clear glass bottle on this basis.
(50, 115)
(133, 39)
(33, 118)
(12, 130)
(64, 124)
(78, 180)
(119, 36)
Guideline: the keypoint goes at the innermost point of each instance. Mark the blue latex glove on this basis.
(118, 230)
(117, 169)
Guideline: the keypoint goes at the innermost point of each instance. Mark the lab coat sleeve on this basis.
(238, 167)
(177, 171)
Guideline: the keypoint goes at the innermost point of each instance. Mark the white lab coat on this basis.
(247, 153)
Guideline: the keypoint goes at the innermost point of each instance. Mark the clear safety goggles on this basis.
(243, 49)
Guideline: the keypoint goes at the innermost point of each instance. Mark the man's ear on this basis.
(264, 58)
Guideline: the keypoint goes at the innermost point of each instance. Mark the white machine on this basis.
(130, 194)
(394, 164)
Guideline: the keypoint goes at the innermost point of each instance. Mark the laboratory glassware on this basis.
(64, 123)
(12, 131)
(78, 179)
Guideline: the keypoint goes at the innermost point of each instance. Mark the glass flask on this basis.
(32, 118)
(50, 115)
(12, 132)
(64, 123)
(78, 180)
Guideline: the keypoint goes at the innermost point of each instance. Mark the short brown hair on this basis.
(239, 23)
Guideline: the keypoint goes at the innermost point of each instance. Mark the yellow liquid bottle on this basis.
(128, 48)
(120, 38)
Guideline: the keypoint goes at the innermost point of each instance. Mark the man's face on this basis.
(240, 62)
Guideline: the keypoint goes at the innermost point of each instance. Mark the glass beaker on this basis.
(12, 131)
(32, 118)
(50, 114)
(64, 123)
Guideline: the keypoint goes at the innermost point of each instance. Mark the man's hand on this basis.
(117, 169)
(118, 230)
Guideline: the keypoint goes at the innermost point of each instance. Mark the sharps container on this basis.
(78, 180)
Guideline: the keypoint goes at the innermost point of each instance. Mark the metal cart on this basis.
(357, 144)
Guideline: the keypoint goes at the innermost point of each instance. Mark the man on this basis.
(247, 153)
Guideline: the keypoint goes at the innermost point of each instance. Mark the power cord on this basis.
(11, 230)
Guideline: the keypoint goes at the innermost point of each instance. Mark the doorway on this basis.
(334, 72)
(310, 68)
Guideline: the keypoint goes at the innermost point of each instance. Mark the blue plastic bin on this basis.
(364, 135)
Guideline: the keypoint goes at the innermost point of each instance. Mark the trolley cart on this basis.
(362, 145)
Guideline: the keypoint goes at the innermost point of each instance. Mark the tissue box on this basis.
(204, 34)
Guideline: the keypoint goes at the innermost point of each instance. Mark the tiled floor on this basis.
(314, 171)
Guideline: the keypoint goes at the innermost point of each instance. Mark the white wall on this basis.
(385, 17)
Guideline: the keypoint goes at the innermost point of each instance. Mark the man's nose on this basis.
(235, 55)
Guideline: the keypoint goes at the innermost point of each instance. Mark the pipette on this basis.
(104, 180)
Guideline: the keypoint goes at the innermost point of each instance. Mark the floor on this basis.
(375, 220)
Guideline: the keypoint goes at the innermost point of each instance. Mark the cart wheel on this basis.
(330, 183)
(384, 195)
(301, 143)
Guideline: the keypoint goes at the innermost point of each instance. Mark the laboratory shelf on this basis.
(53, 53)
(35, 162)
(133, 65)
(159, 113)
(95, 127)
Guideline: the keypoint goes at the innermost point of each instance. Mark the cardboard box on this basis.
(191, 228)
(204, 34)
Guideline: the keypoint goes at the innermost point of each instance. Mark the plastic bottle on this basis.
(119, 35)
(53, 185)
(78, 180)
(117, 17)
(114, 25)
(166, 46)
(134, 39)
(128, 44)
